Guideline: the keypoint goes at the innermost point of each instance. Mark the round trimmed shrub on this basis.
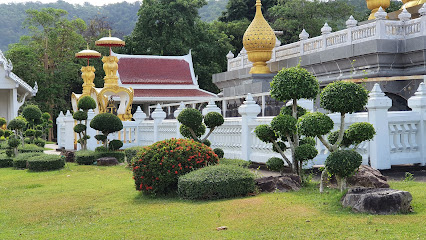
(275, 164)
(333, 136)
(16, 123)
(80, 115)
(2, 121)
(31, 113)
(1, 132)
(305, 152)
(308, 140)
(115, 145)
(360, 132)
(86, 157)
(101, 149)
(29, 133)
(39, 142)
(215, 182)
(294, 83)
(27, 140)
(157, 167)
(86, 103)
(315, 124)
(45, 162)
(7, 133)
(284, 124)
(45, 116)
(13, 142)
(219, 152)
(344, 97)
(5, 161)
(343, 163)
(213, 119)
(79, 128)
(235, 162)
(119, 155)
(282, 146)
(199, 131)
(190, 117)
(106, 123)
(30, 148)
(265, 133)
(100, 137)
(288, 110)
(20, 161)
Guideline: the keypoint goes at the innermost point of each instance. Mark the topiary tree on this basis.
(289, 84)
(106, 123)
(342, 164)
(17, 125)
(13, 143)
(84, 104)
(44, 127)
(32, 114)
(2, 122)
(193, 126)
(341, 97)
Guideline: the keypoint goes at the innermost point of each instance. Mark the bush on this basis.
(5, 161)
(213, 119)
(79, 128)
(20, 161)
(80, 115)
(235, 162)
(333, 136)
(131, 153)
(265, 133)
(305, 152)
(199, 131)
(115, 145)
(191, 118)
(13, 142)
(119, 155)
(344, 97)
(308, 140)
(343, 163)
(288, 110)
(315, 124)
(275, 164)
(31, 113)
(86, 103)
(100, 137)
(214, 182)
(16, 123)
(360, 132)
(40, 143)
(101, 149)
(207, 143)
(106, 123)
(219, 152)
(284, 124)
(157, 167)
(27, 140)
(30, 148)
(29, 133)
(282, 146)
(86, 157)
(46, 162)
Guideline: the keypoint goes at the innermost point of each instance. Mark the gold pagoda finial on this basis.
(259, 40)
(374, 6)
(109, 31)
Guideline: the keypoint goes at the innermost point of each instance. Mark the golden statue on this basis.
(88, 75)
(412, 3)
(110, 68)
(259, 41)
(374, 6)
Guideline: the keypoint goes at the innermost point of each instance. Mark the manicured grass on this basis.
(90, 202)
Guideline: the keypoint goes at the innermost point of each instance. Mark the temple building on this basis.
(13, 90)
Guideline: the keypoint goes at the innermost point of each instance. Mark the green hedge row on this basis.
(234, 162)
(89, 157)
(131, 153)
(5, 161)
(46, 162)
(30, 148)
(214, 182)
(20, 161)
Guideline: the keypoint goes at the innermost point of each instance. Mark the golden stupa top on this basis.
(259, 35)
(87, 53)
(411, 3)
(110, 41)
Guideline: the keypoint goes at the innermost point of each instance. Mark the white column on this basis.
(69, 131)
(176, 114)
(249, 111)
(418, 104)
(92, 143)
(59, 125)
(224, 108)
(158, 115)
(139, 117)
(14, 104)
(378, 105)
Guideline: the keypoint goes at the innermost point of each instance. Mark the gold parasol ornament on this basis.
(110, 42)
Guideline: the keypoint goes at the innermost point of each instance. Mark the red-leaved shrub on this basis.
(156, 168)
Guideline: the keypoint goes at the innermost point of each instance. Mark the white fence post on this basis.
(249, 111)
(378, 105)
(69, 131)
(59, 126)
(92, 143)
(418, 104)
(176, 114)
(158, 115)
(139, 117)
(211, 107)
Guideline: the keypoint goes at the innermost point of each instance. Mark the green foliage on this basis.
(333, 136)
(45, 116)
(265, 133)
(157, 167)
(39, 142)
(308, 140)
(115, 145)
(315, 124)
(344, 97)
(275, 164)
(30, 148)
(100, 137)
(213, 119)
(20, 161)
(360, 132)
(79, 128)
(80, 115)
(191, 118)
(288, 110)
(131, 153)
(285, 125)
(45, 162)
(101, 149)
(1, 132)
(16, 124)
(85, 103)
(106, 123)
(343, 163)
(7, 133)
(215, 182)
(31, 113)
(305, 152)
(281, 145)
(13, 142)
(86, 157)
(409, 177)
(184, 130)
(119, 155)
(206, 142)
(30, 133)
(219, 152)
(235, 162)
(294, 83)
(5, 161)
(2, 121)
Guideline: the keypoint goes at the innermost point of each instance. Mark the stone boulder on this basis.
(281, 183)
(368, 177)
(69, 155)
(106, 161)
(377, 200)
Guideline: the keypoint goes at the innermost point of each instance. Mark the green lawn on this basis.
(89, 202)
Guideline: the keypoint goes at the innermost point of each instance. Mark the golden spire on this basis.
(259, 40)
(374, 6)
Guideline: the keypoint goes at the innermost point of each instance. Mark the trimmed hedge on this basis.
(5, 161)
(20, 161)
(46, 162)
(131, 153)
(30, 148)
(234, 162)
(86, 157)
(214, 182)
(119, 155)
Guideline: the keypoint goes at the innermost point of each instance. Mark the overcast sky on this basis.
(93, 2)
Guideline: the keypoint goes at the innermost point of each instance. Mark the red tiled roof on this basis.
(171, 93)
(154, 71)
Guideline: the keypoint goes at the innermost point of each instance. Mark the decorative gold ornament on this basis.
(259, 40)
(110, 67)
(88, 75)
(411, 3)
(124, 111)
(110, 41)
(374, 5)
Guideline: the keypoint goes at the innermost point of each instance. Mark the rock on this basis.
(281, 183)
(107, 161)
(377, 200)
(69, 155)
(368, 177)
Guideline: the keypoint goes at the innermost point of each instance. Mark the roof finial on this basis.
(109, 30)
(88, 46)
